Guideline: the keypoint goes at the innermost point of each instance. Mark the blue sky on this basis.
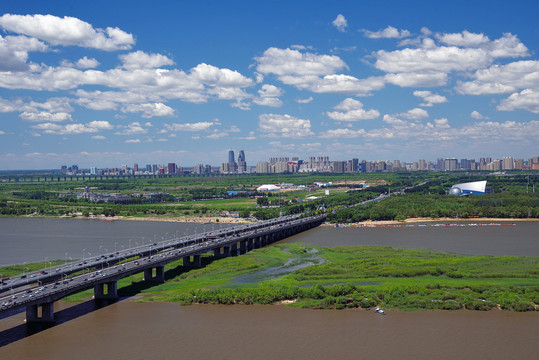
(107, 83)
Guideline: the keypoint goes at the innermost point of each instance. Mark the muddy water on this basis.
(522, 239)
(129, 330)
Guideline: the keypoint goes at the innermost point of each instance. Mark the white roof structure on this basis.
(470, 188)
(269, 187)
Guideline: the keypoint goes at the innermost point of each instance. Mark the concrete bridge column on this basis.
(196, 262)
(234, 249)
(243, 246)
(108, 290)
(217, 252)
(47, 313)
(159, 274)
(257, 242)
(250, 245)
(264, 240)
(226, 251)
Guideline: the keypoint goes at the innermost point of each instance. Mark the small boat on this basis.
(379, 311)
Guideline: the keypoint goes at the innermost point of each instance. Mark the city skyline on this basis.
(109, 83)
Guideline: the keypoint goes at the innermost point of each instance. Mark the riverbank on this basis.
(232, 220)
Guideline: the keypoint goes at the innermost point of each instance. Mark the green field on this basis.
(344, 277)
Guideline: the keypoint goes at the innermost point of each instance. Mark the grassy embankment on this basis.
(349, 277)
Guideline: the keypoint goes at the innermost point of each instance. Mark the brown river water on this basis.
(131, 330)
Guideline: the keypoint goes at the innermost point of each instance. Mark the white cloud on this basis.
(418, 79)
(436, 60)
(141, 60)
(99, 137)
(429, 98)
(73, 129)
(526, 100)
(465, 38)
(132, 141)
(476, 115)
(342, 133)
(149, 110)
(132, 129)
(67, 31)
(340, 23)
(304, 101)
(352, 110)
(85, 63)
(199, 126)
(2, 132)
(268, 96)
(388, 33)
(45, 116)
(500, 79)
(14, 52)
(284, 125)
(415, 114)
(288, 62)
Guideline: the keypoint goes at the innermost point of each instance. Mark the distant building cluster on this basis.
(291, 165)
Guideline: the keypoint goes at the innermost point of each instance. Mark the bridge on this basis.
(37, 291)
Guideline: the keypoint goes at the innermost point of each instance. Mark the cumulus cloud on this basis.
(429, 98)
(415, 114)
(340, 23)
(45, 116)
(82, 63)
(502, 79)
(133, 141)
(149, 110)
(316, 73)
(284, 125)
(140, 59)
(430, 64)
(352, 110)
(388, 33)
(268, 95)
(304, 101)
(476, 115)
(73, 129)
(199, 126)
(526, 100)
(465, 38)
(132, 129)
(288, 62)
(14, 52)
(67, 31)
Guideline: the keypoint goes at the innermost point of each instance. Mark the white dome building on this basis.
(471, 188)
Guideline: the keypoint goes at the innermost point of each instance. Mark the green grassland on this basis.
(344, 277)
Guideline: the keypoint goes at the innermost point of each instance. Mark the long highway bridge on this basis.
(37, 291)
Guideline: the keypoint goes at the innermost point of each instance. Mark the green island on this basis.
(346, 277)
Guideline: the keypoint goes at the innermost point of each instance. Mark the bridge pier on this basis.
(256, 242)
(47, 313)
(194, 263)
(106, 291)
(159, 274)
(243, 246)
(234, 249)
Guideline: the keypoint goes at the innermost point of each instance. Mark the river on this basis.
(131, 330)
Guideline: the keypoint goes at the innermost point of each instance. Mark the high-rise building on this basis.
(262, 167)
(171, 168)
(422, 165)
(507, 163)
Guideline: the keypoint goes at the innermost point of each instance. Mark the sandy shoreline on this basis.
(231, 220)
